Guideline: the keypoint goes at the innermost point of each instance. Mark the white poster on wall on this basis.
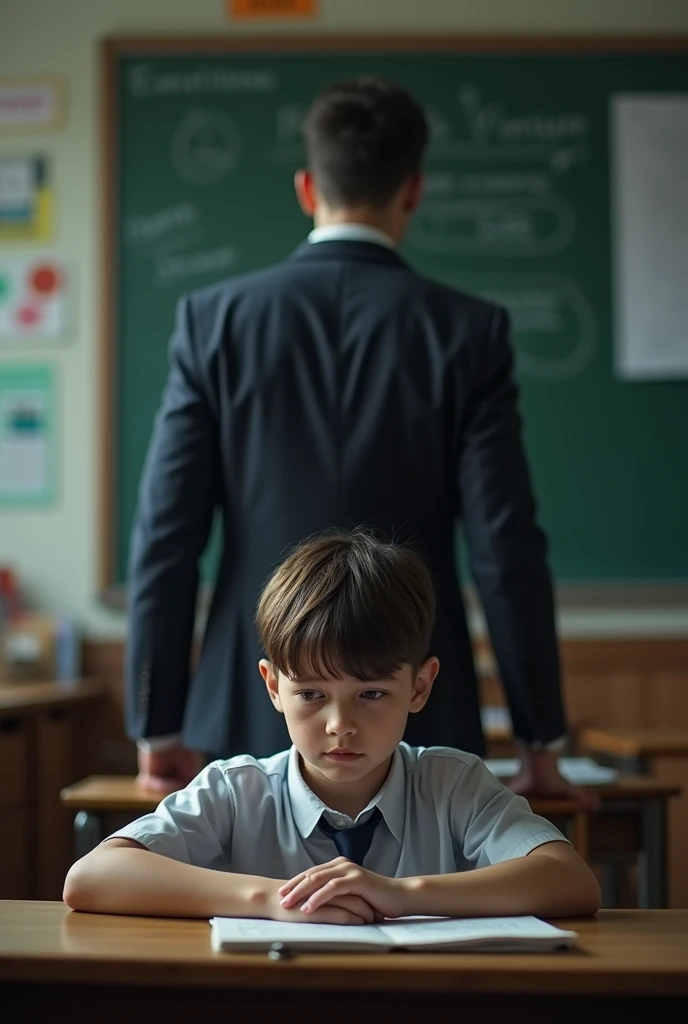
(33, 292)
(28, 461)
(649, 187)
(33, 105)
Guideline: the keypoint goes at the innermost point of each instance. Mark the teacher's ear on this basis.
(306, 191)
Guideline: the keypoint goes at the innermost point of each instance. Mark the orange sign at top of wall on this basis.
(252, 9)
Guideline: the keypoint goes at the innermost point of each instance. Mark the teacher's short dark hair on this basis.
(364, 138)
(347, 604)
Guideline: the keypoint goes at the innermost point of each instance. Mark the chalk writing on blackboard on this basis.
(519, 226)
(553, 325)
(189, 265)
(155, 225)
(146, 81)
(206, 147)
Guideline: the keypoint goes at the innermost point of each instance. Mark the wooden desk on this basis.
(35, 698)
(629, 965)
(634, 747)
(663, 755)
(42, 730)
(631, 822)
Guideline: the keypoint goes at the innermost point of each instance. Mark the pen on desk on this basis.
(278, 951)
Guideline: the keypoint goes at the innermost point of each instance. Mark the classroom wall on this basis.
(55, 550)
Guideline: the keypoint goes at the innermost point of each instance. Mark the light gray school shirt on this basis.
(442, 811)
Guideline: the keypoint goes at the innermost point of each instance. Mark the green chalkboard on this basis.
(201, 145)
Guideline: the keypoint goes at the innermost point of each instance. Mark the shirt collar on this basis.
(351, 233)
(307, 808)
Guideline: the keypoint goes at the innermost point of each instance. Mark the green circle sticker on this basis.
(4, 287)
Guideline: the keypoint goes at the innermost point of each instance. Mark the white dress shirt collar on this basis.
(307, 808)
(351, 233)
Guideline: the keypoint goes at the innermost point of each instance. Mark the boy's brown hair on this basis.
(347, 604)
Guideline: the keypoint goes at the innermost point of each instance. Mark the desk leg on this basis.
(88, 832)
(652, 860)
(611, 884)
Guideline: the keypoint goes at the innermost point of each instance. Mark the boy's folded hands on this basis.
(327, 886)
(341, 908)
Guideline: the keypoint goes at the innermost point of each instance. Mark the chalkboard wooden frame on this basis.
(112, 49)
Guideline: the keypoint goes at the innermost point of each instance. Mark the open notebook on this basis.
(434, 934)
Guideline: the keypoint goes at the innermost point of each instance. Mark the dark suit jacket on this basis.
(338, 388)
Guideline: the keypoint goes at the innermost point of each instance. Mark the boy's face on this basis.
(346, 730)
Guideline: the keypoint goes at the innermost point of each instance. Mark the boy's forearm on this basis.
(542, 886)
(133, 881)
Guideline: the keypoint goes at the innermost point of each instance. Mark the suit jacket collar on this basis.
(344, 250)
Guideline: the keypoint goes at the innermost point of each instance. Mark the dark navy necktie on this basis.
(353, 842)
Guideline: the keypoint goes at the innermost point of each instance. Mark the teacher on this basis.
(338, 388)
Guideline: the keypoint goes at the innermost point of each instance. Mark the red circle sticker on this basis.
(45, 279)
(28, 316)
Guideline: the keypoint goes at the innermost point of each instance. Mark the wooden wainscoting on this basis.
(618, 683)
(614, 682)
(112, 751)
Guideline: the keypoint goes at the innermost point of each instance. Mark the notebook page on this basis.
(249, 929)
(423, 931)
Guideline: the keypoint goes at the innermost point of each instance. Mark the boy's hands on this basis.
(327, 885)
(342, 909)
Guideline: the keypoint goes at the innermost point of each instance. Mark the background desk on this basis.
(44, 745)
(663, 755)
(85, 967)
(631, 824)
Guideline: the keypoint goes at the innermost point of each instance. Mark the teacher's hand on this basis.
(165, 771)
(539, 776)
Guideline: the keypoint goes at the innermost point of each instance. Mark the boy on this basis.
(351, 825)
